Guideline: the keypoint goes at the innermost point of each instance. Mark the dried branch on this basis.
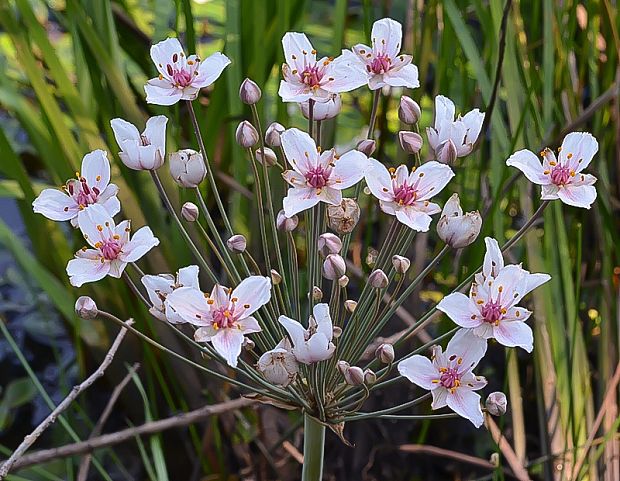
(511, 458)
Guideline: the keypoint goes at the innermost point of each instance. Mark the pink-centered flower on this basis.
(317, 176)
(382, 62)
(451, 138)
(160, 286)
(406, 194)
(491, 310)
(305, 77)
(225, 316)
(141, 151)
(91, 186)
(112, 248)
(181, 77)
(562, 177)
(315, 343)
(449, 375)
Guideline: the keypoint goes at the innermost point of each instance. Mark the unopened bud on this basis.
(342, 366)
(366, 146)
(371, 257)
(410, 142)
(286, 224)
(401, 264)
(329, 243)
(354, 376)
(350, 305)
(456, 229)
(249, 92)
(317, 293)
(337, 331)
(86, 308)
(246, 135)
(447, 152)
(408, 110)
(190, 212)
(496, 403)
(187, 168)
(276, 278)
(322, 110)
(272, 135)
(343, 281)
(378, 279)
(343, 217)
(268, 157)
(237, 244)
(385, 353)
(369, 377)
(334, 267)
(248, 344)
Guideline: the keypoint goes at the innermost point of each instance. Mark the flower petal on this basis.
(188, 277)
(294, 329)
(432, 177)
(514, 334)
(321, 315)
(386, 36)
(300, 150)
(227, 343)
(248, 325)
(406, 76)
(252, 293)
(582, 147)
(349, 170)
(55, 205)
(444, 112)
(299, 199)
(379, 181)
(468, 346)
(160, 95)
(141, 242)
(577, 196)
(420, 371)
(191, 305)
(86, 269)
(210, 70)
(124, 130)
(461, 309)
(298, 51)
(440, 398)
(466, 403)
(493, 259)
(96, 169)
(162, 54)
(527, 162)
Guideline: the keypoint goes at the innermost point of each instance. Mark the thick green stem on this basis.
(314, 442)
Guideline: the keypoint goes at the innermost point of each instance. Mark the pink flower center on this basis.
(311, 76)
(110, 249)
(560, 174)
(144, 140)
(450, 378)
(380, 64)
(223, 317)
(492, 312)
(181, 78)
(82, 193)
(318, 177)
(405, 194)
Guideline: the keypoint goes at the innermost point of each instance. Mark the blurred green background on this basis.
(69, 66)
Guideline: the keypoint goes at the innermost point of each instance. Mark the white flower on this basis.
(383, 63)
(112, 248)
(92, 186)
(562, 177)
(225, 316)
(407, 195)
(141, 151)
(305, 77)
(451, 138)
(279, 365)
(322, 110)
(317, 177)
(491, 309)
(315, 343)
(160, 286)
(449, 375)
(180, 77)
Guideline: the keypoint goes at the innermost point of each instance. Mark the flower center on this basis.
(380, 64)
(144, 140)
(110, 249)
(492, 312)
(560, 174)
(181, 78)
(311, 76)
(450, 378)
(82, 193)
(318, 177)
(405, 194)
(223, 317)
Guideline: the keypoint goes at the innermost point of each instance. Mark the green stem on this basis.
(314, 442)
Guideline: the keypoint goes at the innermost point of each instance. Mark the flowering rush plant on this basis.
(287, 325)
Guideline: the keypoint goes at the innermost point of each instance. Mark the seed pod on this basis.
(496, 403)
(86, 308)
(329, 243)
(190, 212)
(248, 344)
(401, 264)
(343, 281)
(272, 135)
(410, 142)
(317, 293)
(337, 332)
(343, 217)
(385, 353)
(366, 147)
(286, 224)
(378, 279)
(269, 158)
(371, 257)
(246, 135)
(408, 110)
(279, 365)
(249, 92)
(237, 244)
(187, 168)
(334, 267)
(350, 305)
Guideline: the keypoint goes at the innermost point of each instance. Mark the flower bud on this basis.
(248, 344)
(496, 403)
(237, 244)
(334, 267)
(366, 147)
(86, 308)
(350, 305)
(343, 281)
(267, 158)
(272, 135)
(447, 152)
(342, 366)
(249, 92)
(378, 279)
(286, 224)
(246, 135)
(276, 278)
(401, 264)
(410, 142)
(329, 243)
(317, 293)
(187, 168)
(385, 353)
(343, 217)
(408, 110)
(369, 377)
(279, 365)
(371, 257)
(190, 212)
(354, 376)
(456, 229)
(337, 331)
(322, 110)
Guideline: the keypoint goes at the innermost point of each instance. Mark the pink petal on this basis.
(420, 371)
(347, 74)
(466, 403)
(294, 329)
(406, 76)
(473, 121)
(444, 112)
(321, 315)
(55, 205)
(532, 281)
(82, 270)
(514, 334)
(210, 69)
(188, 277)
(432, 177)
(461, 309)
(440, 398)
(577, 196)
(253, 292)
(583, 146)
(379, 181)
(141, 242)
(293, 92)
(331, 195)
(160, 95)
(468, 346)
(93, 217)
(220, 296)
(300, 150)
(414, 219)
(386, 36)
(294, 178)
(96, 169)
(298, 46)
(156, 285)
(318, 348)
(155, 132)
(190, 305)
(124, 130)
(527, 162)
(248, 325)
(227, 343)
(549, 192)
(493, 259)
(299, 199)
(162, 53)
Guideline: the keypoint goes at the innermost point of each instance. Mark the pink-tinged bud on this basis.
(408, 110)
(410, 142)
(334, 267)
(329, 244)
(276, 278)
(447, 152)
(342, 366)
(286, 224)
(371, 257)
(246, 135)
(237, 244)
(248, 344)
(343, 281)
(350, 305)
(337, 331)
(354, 376)
(317, 293)
(190, 212)
(249, 92)
(267, 158)
(366, 147)
(385, 353)
(272, 135)
(369, 377)
(496, 403)
(378, 279)
(401, 264)
(343, 217)
(187, 168)
(86, 308)
(322, 110)
(456, 229)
